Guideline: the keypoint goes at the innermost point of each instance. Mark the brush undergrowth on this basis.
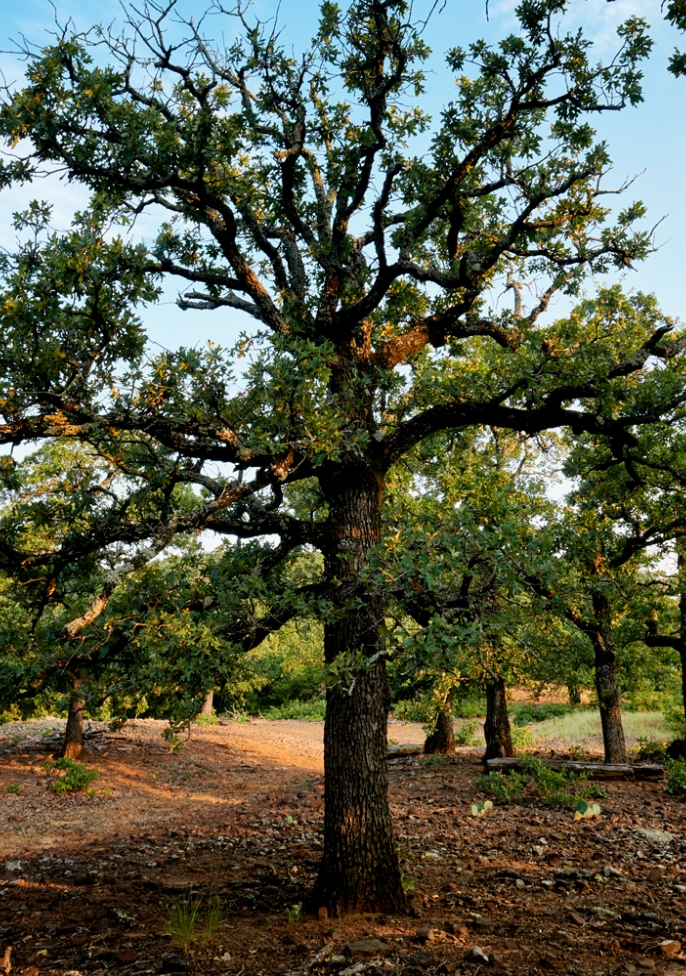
(539, 785)
(75, 776)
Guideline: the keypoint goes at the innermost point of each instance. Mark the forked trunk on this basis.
(609, 699)
(208, 703)
(359, 870)
(442, 739)
(497, 727)
(72, 746)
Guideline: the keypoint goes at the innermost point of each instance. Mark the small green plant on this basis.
(291, 821)
(75, 776)
(170, 736)
(213, 919)
(578, 753)
(465, 734)
(293, 912)
(183, 919)
(204, 719)
(676, 777)
(523, 739)
(13, 788)
(481, 809)
(650, 749)
(436, 759)
(505, 789)
(408, 883)
(539, 784)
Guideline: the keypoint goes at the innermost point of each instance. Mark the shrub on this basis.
(523, 739)
(541, 785)
(676, 777)
(525, 713)
(76, 775)
(464, 735)
(306, 711)
(649, 749)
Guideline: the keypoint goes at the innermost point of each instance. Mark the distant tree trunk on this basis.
(72, 746)
(208, 704)
(497, 727)
(609, 699)
(574, 693)
(442, 739)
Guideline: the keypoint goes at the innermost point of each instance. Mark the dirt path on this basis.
(142, 785)
(87, 883)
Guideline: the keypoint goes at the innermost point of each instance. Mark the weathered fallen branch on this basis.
(594, 770)
(410, 749)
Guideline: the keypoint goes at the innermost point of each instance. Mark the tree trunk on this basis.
(208, 703)
(609, 700)
(681, 563)
(442, 739)
(359, 870)
(72, 746)
(497, 727)
(574, 693)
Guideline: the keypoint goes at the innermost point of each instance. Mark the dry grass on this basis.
(583, 729)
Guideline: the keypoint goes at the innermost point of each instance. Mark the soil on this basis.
(89, 881)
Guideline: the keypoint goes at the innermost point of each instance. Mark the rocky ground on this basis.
(89, 884)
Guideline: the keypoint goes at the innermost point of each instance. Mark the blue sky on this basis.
(650, 139)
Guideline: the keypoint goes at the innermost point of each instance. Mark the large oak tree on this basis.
(362, 239)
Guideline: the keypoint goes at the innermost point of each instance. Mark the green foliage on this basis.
(676, 777)
(183, 919)
(75, 776)
(505, 789)
(523, 738)
(411, 710)
(185, 916)
(293, 912)
(524, 713)
(13, 788)
(206, 720)
(213, 919)
(304, 711)
(465, 733)
(539, 785)
(652, 750)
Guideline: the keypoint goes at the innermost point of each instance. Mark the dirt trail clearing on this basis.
(87, 882)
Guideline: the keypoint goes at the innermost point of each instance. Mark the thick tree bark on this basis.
(359, 870)
(497, 727)
(609, 699)
(442, 739)
(208, 703)
(72, 746)
(681, 563)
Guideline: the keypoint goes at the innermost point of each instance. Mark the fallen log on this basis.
(593, 770)
(410, 749)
